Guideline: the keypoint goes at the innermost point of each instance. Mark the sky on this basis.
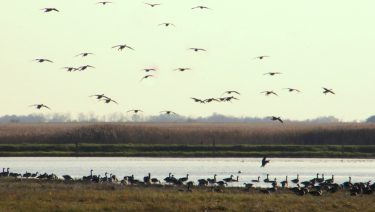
(314, 44)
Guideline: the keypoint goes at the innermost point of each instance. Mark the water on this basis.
(361, 170)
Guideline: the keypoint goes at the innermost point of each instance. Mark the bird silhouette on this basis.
(274, 118)
(47, 10)
(292, 90)
(104, 2)
(168, 112)
(70, 69)
(40, 106)
(327, 91)
(211, 100)
(82, 68)
(230, 92)
(147, 76)
(108, 100)
(228, 99)
(182, 69)
(267, 93)
(43, 60)
(167, 24)
(122, 47)
(198, 100)
(98, 96)
(149, 69)
(85, 54)
(152, 5)
(201, 7)
(135, 111)
(272, 73)
(261, 57)
(264, 161)
(198, 49)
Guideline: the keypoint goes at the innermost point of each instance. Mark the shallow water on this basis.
(361, 170)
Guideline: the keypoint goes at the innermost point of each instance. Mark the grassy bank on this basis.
(162, 150)
(59, 196)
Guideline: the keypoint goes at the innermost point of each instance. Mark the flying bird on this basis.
(211, 100)
(82, 68)
(261, 57)
(168, 112)
(47, 10)
(85, 54)
(135, 111)
(292, 90)
(104, 2)
(43, 60)
(264, 161)
(182, 69)
(229, 99)
(230, 92)
(122, 47)
(200, 7)
(108, 100)
(152, 5)
(149, 69)
(327, 91)
(70, 69)
(198, 49)
(40, 106)
(272, 73)
(147, 76)
(198, 100)
(167, 24)
(274, 118)
(98, 96)
(267, 93)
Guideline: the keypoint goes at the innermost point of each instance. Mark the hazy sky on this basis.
(313, 43)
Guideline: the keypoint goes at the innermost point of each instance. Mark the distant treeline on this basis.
(189, 133)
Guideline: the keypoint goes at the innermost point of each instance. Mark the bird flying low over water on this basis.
(201, 7)
(85, 54)
(168, 112)
(98, 96)
(47, 10)
(264, 161)
(267, 93)
(40, 106)
(272, 73)
(43, 60)
(327, 91)
(292, 90)
(167, 24)
(135, 111)
(274, 118)
(152, 5)
(82, 68)
(230, 92)
(147, 76)
(261, 57)
(182, 69)
(198, 100)
(104, 2)
(198, 49)
(122, 47)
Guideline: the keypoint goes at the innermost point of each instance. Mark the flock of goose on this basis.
(106, 99)
(315, 186)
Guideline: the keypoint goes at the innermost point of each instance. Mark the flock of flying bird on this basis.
(230, 95)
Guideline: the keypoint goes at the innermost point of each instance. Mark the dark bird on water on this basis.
(267, 93)
(198, 49)
(47, 10)
(327, 91)
(40, 106)
(122, 47)
(43, 60)
(292, 90)
(274, 118)
(264, 161)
